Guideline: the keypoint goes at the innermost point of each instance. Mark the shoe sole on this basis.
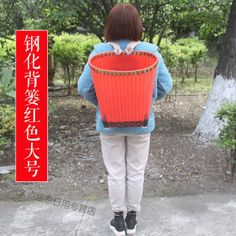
(131, 231)
(117, 233)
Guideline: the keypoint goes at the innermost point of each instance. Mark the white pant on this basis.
(125, 158)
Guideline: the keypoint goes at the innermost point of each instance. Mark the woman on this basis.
(125, 150)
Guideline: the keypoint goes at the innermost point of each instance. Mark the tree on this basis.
(91, 14)
(10, 18)
(206, 18)
(224, 84)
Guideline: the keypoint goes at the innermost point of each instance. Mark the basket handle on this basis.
(128, 50)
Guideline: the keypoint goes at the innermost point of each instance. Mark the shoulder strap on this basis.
(116, 47)
(130, 47)
(128, 50)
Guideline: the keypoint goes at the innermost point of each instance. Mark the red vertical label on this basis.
(31, 106)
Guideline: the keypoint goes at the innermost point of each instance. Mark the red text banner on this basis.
(31, 106)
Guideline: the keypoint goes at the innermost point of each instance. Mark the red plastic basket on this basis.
(124, 87)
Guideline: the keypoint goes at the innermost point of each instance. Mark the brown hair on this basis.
(123, 22)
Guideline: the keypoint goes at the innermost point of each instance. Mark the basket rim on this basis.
(124, 72)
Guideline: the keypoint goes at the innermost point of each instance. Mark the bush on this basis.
(7, 85)
(7, 123)
(227, 136)
(72, 51)
(182, 54)
(7, 50)
(166, 48)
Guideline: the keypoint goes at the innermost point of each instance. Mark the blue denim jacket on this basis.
(163, 85)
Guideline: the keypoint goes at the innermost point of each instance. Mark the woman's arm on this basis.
(164, 80)
(85, 84)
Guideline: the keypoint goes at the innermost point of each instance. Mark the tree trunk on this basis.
(161, 35)
(68, 72)
(51, 70)
(224, 84)
(195, 73)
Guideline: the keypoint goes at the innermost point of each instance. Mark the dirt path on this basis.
(177, 165)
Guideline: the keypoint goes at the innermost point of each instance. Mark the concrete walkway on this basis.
(203, 215)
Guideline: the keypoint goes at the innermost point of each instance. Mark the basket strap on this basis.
(130, 47)
(116, 47)
(128, 50)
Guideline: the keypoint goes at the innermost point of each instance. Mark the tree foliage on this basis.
(206, 18)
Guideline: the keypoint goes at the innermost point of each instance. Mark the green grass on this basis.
(60, 80)
(203, 85)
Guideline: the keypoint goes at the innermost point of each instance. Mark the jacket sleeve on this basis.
(164, 81)
(85, 84)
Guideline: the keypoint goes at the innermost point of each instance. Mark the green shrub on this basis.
(72, 51)
(86, 46)
(7, 50)
(167, 51)
(7, 85)
(7, 123)
(227, 136)
(182, 54)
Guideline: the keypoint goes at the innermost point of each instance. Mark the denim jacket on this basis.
(162, 86)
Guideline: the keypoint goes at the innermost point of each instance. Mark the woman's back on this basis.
(163, 83)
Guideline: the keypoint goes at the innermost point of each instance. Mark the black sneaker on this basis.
(131, 222)
(117, 224)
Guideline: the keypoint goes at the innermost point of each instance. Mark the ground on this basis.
(178, 164)
(198, 215)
